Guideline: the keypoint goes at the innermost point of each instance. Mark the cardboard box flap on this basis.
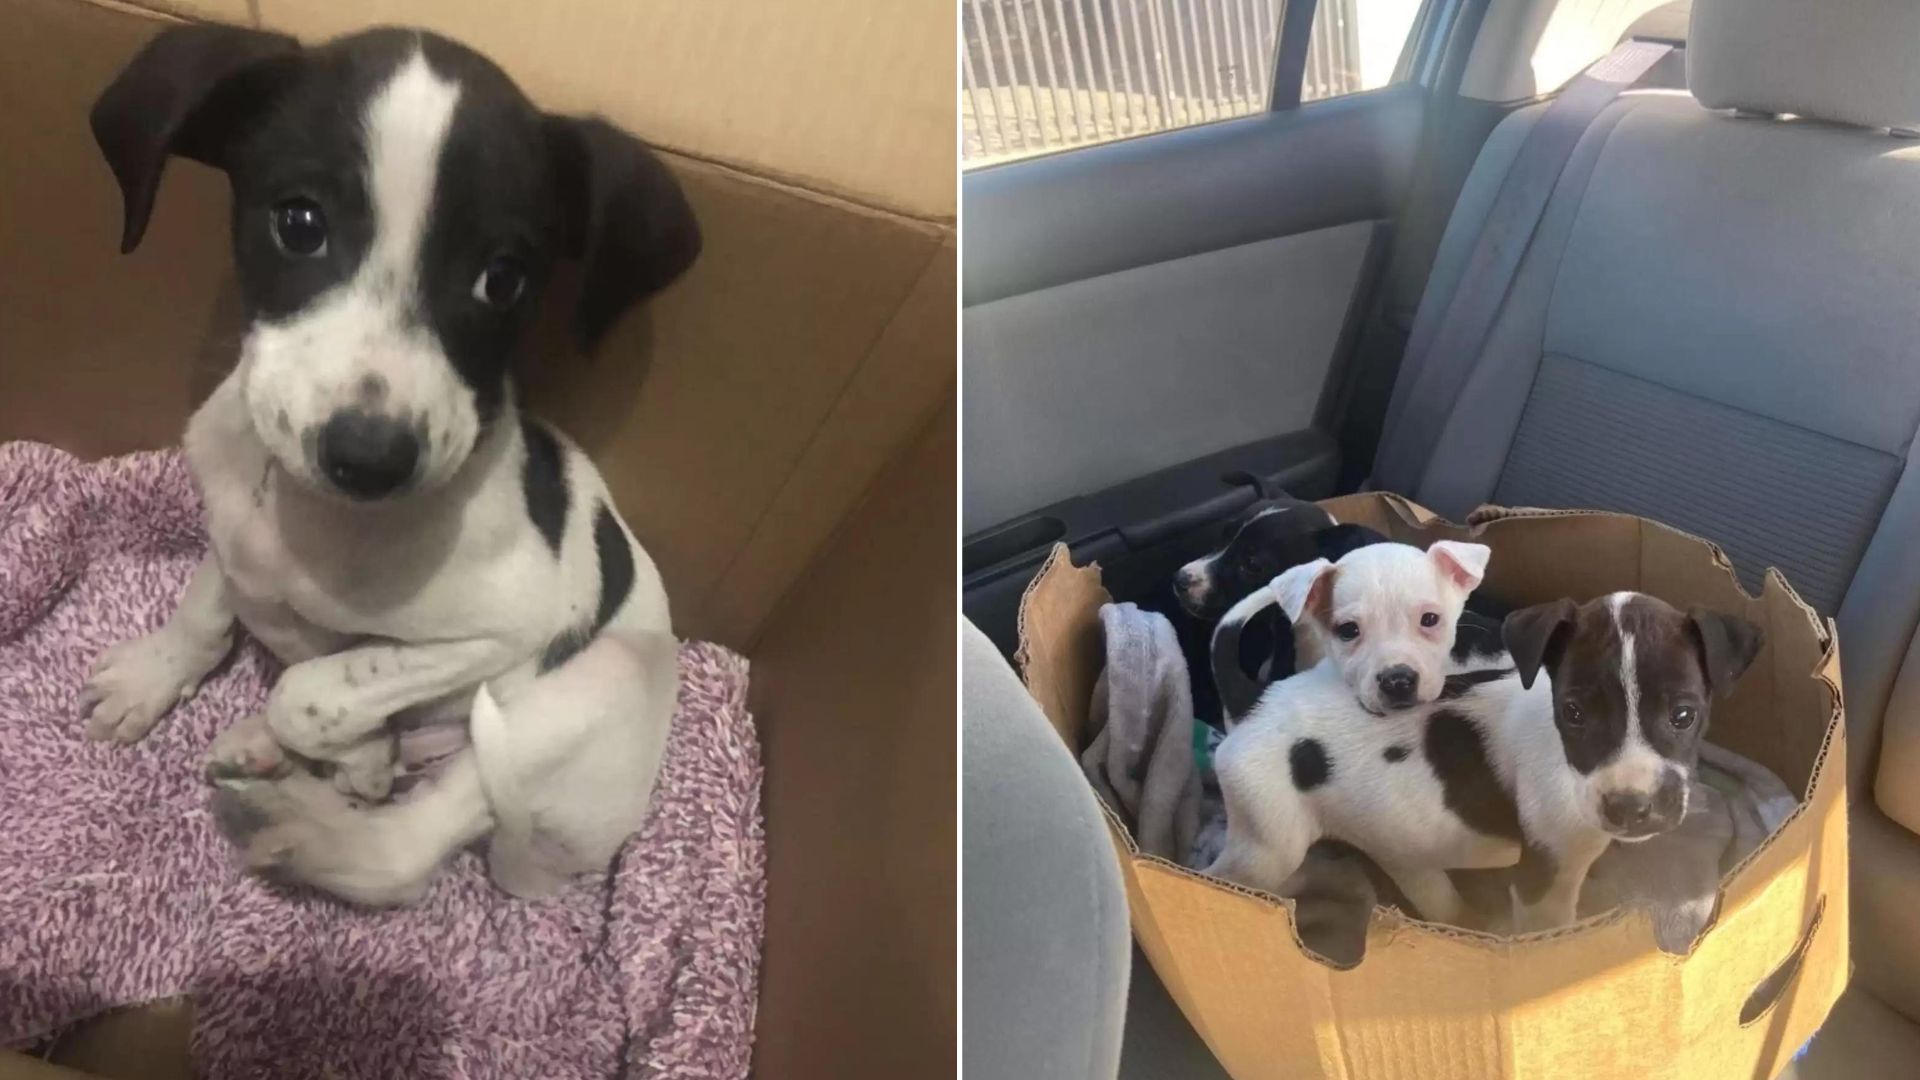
(1062, 649)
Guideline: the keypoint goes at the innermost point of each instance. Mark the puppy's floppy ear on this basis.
(621, 213)
(1307, 586)
(1462, 564)
(1535, 635)
(193, 91)
(1728, 644)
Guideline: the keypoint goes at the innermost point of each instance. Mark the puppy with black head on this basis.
(382, 516)
(1269, 537)
(1226, 589)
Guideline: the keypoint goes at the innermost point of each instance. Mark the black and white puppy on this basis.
(1256, 547)
(1343, 751)
(382, 516)
(1215, 589)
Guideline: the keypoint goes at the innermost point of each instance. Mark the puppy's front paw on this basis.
(308, 714)
(134, 683)
(366, 770)
(246, 750)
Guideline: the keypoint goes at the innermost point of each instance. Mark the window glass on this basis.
(1039, 76)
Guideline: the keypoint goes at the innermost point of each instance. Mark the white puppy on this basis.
(1338, 750)
(1385, 614)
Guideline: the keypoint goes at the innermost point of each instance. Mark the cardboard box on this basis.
(1596, 1001)
(770, 422)
(848, 98)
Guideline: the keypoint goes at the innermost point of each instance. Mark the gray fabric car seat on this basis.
(1717, 324)
(1044, 916)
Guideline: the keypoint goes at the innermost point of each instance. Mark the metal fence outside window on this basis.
(1043, 75)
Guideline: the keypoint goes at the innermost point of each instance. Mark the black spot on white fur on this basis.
(616, 564)
(1457, 752)
(1395, 753)
(1309, 763)
(544, 479)
(1457, 685)
(1476, 635)
(563, 648)
(236, 818)
(616, 584)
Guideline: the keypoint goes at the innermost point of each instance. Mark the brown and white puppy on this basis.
(1604, 748)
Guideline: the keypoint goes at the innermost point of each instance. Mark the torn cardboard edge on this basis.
(1219, 951)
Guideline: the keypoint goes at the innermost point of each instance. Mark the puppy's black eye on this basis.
(1570, 714)
(300, 228)
(1430, 620)
(1347, 631)
(1683, 717)
(501, 284)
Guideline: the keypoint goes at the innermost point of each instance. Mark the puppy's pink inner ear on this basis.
(1319, 603)
(1456, 571)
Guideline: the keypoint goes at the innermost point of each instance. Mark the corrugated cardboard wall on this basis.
(853, 689)
(850, 97)
(738, 417)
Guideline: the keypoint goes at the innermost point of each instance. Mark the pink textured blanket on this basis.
(116, 888)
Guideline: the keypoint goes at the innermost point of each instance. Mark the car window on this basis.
(1356, 46)
(1040, 76)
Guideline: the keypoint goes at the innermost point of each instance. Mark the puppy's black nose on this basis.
(1399, 684)
(367, 456)
(1626, 810)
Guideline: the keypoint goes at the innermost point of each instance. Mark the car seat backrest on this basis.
(1717, 324)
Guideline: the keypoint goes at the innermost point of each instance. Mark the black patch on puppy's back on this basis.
(1468, 784)
(544, 480)
(616, 564)
(1309, 763)
(615, 558)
